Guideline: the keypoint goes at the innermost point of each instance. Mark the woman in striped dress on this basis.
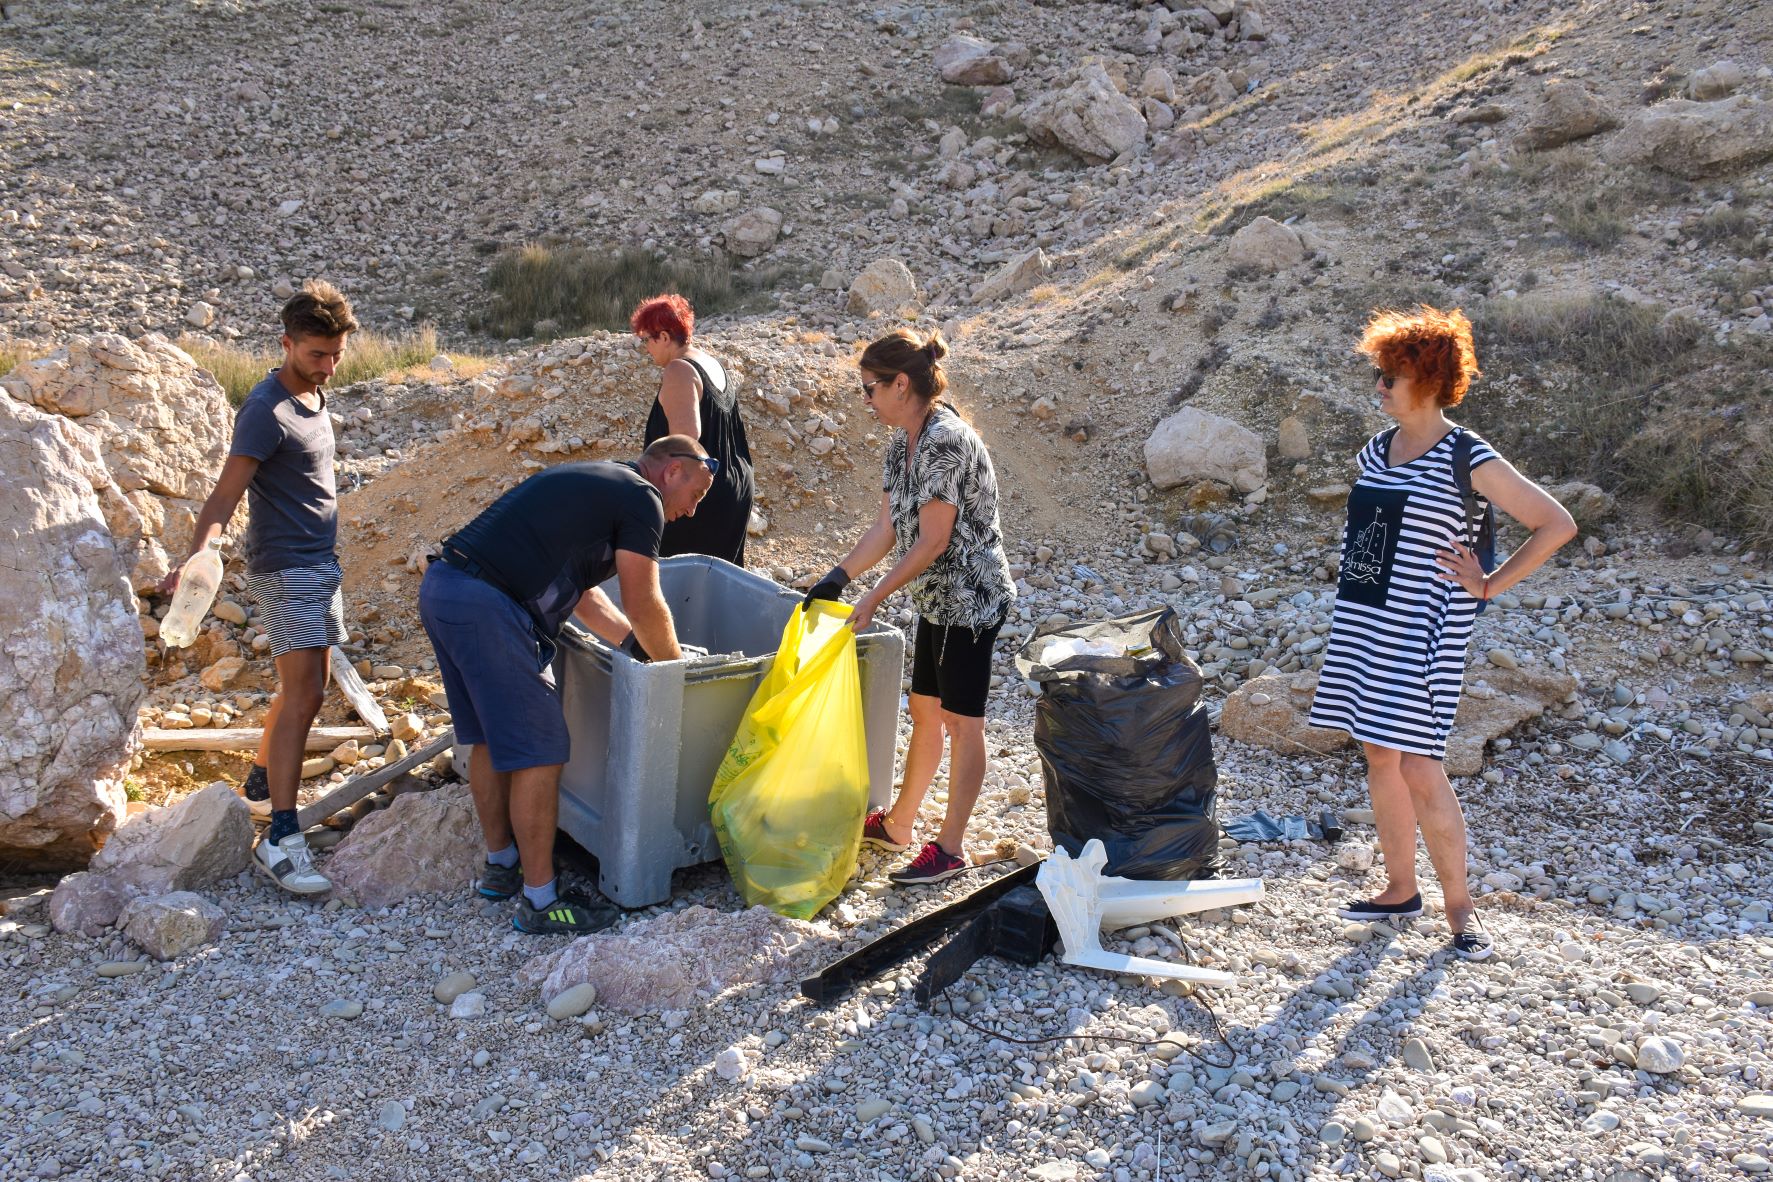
(1406, 600)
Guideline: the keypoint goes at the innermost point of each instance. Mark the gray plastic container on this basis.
(647, 738)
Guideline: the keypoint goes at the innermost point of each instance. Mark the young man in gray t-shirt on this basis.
(281, 458)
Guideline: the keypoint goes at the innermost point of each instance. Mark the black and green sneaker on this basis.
(499, 882)
(570, 915)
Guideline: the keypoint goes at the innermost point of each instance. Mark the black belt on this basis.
(473, 569)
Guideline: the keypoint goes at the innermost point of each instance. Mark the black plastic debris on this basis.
(1016, 928)
(1126, 745)
(902, 943)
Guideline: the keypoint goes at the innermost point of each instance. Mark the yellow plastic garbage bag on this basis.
(790, 796)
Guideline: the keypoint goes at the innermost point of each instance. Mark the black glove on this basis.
(830, 587)
(631, 645)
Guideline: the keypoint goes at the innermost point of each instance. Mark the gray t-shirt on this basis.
(292, 503)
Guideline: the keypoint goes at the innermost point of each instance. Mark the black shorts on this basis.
(953, 664)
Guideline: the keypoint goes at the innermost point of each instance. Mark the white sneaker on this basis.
(260, 809)
(290, 865)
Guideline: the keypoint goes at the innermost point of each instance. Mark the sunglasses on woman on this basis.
(1388, 380)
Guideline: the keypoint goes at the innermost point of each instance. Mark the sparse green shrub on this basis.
(1593, 387)
(1590, 222)
(577, 288)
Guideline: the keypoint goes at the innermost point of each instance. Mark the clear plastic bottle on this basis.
(198, 583)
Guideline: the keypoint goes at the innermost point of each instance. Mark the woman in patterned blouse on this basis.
(938, 510)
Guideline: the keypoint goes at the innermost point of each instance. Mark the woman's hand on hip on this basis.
(1459, 564)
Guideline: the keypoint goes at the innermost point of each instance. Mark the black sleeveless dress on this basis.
(720, 521)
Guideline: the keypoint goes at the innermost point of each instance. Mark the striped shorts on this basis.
(300, 607)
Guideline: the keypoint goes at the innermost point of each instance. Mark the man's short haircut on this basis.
(673, 447)
(318, 310)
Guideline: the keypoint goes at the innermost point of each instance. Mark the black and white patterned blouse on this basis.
(969, 584)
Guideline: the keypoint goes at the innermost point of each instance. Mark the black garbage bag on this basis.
(1125, 745)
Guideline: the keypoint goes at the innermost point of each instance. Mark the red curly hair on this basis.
(670, 314)
(1430, 347)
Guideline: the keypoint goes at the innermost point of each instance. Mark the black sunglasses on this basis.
(868, 387)
(1388, 380)
(708, 462)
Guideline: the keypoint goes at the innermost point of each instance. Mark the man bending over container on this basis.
(493, 606)
(281, 458)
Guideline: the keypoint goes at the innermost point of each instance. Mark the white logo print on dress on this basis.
(1366, 558)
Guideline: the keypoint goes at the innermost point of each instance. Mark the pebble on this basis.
(453, 986)
(1660, 1056)
(872, 1109)
(468, 1005)
(1756, 1104)
(1416, 1054)
(121, 968)
(1643, 992)
(392, 1116)
(1363, 1129)
(1331, 1133)
(344, 1008)
(573, 1001)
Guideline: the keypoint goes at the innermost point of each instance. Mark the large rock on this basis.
(168, 926)
(1272, 710)
(1566, 112)
(204, 837)
(673, 961)
(1089, 118)
(1696, 140)
(1211, 88)
(1194, 445)
(86, 903)
(1588, 504)
(886, 288)
(162, 423)
(1014, 277)
(1266, 245)
(969, 61)
(424, 841)
(753, 232)
(71, 655)
(1715, 81)
(1494, 705)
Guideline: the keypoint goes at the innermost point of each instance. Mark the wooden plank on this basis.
(356, 692)
(245, 738)
(352, 791)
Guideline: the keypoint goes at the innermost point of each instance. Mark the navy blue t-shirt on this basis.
(556, 535)
(292, 502)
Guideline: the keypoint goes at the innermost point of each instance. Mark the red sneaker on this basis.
(932, 864)
(874, 833)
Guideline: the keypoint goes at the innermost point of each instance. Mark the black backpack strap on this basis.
(1474, 514)
(1385, 437)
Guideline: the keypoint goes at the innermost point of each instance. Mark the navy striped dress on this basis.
(1395, 664)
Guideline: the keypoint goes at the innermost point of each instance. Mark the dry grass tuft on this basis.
(15, 353)
(369, 355)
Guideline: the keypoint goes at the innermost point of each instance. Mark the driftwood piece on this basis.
(354, 790)
(245, 738)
